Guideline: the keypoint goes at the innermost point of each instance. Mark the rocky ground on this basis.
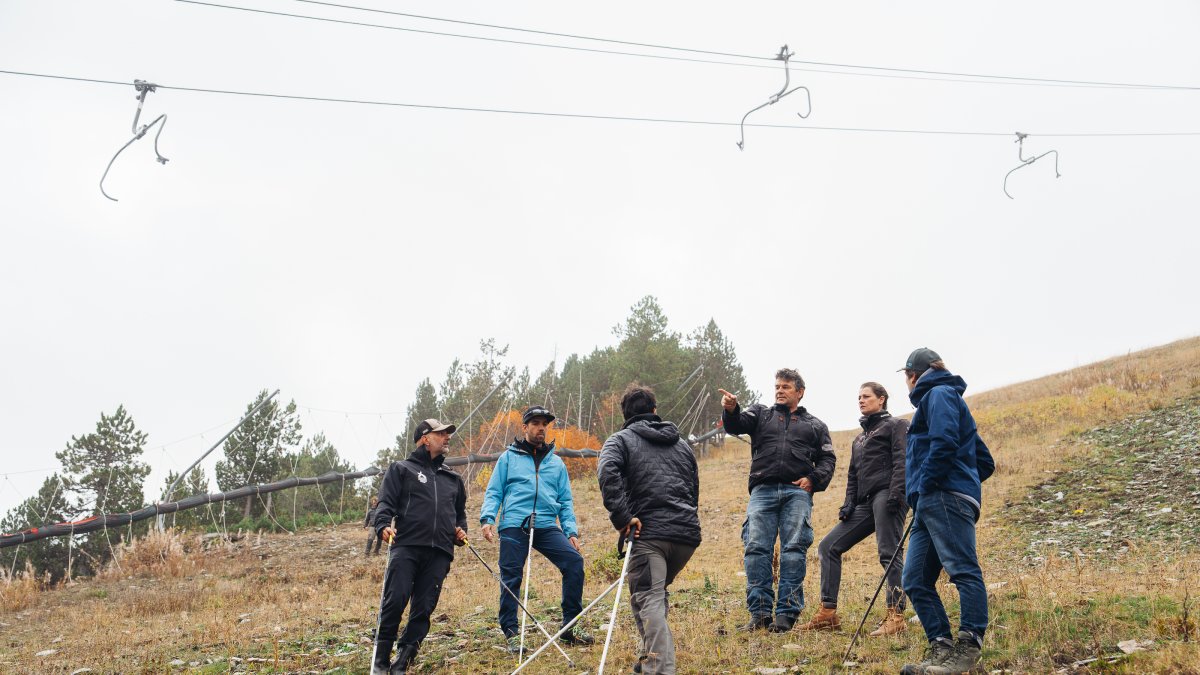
(1137, 481)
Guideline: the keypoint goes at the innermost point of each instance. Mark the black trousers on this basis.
(414, 577)
(868, 517)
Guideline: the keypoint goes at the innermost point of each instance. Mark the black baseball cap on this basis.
(919, 360)
(536, 411)
(431, 425)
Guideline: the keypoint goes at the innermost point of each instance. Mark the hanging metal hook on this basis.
(783, 55)
(1026, 161)
(143, 87)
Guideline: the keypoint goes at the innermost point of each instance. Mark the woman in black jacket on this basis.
(874, 504)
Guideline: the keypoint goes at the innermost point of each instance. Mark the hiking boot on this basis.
(826, 618)
(963, 658)
(513, 643)
(383, 656)
(891, 624)
(756, 623)
(404, 658)
(782, 623)
(577, 636)
(937, 652)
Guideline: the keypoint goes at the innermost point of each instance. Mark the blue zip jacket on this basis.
(511, 490)
(944, 450)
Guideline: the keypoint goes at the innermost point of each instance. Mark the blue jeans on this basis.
(778, 510)
(552, 543)
(943, 536)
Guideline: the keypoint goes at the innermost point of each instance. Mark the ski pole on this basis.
(567, 626)
(519, 603)
(625, 550)
(899, 547)
(387, 561)
(528, 568)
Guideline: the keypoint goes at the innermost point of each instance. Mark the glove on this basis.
(845, 512)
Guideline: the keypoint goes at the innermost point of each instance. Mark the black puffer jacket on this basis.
(877, 459)
(427, 500)
(784, 447)
(647, 471)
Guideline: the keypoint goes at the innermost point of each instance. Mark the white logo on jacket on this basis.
(421, 477)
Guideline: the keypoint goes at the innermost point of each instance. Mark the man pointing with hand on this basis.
(791, 458)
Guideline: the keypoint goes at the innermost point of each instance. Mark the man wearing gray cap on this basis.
(945, 464)
(531, 492)
(428, 503)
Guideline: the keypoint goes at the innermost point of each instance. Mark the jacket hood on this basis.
(524, 447)
(868, 421)
(653, 429)
(935, 378)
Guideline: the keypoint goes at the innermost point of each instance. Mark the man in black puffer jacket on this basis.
(791, 458)
(651, 487)
(428, 503)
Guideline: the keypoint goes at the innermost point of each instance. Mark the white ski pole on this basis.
(567, 627)
(528, 580)
(387, 560)
(612, 618)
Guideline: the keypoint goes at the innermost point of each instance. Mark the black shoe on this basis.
(577, 636)
(404, 658)
(383, 656)
(756, 623)
(782, 623)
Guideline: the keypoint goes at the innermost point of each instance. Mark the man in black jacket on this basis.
(791, 458)
(428, 502)
(651, 486)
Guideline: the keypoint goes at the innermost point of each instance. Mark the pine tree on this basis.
(102, 474)
(47, 507)
(254, 452)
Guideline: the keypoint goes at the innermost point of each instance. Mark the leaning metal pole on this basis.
(166, 497)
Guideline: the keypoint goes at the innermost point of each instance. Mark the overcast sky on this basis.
(343, 252)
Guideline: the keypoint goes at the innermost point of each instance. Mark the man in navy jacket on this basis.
(946, 461)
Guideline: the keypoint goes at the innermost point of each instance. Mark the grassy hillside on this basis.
(306, 602)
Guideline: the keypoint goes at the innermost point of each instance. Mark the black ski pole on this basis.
(900, 547)
(519, 603)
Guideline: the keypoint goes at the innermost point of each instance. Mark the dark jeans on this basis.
(414, 573)
(652, 567)
(372, 538)
(778, 510)
(943, 536)
(868, 517)
(552, 543)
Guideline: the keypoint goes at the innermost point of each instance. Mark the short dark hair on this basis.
(876, 389)
(790, 375)
(638, 400)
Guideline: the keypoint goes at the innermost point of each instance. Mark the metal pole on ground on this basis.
(566, 627)
(624, 548)
(899, 547)
(520, 604)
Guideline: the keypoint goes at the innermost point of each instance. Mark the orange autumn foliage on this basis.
(495, 435)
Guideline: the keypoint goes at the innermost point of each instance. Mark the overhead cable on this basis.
(615, 118)
(879, 71)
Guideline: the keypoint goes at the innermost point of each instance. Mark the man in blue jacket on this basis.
(945, 464)
(530, 489)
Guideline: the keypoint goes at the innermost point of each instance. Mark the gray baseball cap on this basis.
(919, 360)
(430, 425)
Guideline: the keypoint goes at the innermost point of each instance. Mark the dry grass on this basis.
(19, 589)
(306, 602)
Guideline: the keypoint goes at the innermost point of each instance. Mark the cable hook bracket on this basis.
(142, 87)
(1026, 161)
(784, 55)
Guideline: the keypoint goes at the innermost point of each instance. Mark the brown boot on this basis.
(892, 623)
(825, 619)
